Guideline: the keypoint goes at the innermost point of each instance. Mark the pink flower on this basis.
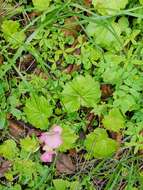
(47, 156)
(50, 140)
(57, 129)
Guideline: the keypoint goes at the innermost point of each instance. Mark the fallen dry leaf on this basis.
(40, 73)
(72, 152)
(70, 27)
(64, 164)
(19, 129)
(90, 118)
(27, 63)
(1, 59)
(71, 68)
(15, 129)
(33, 14)
(117, 136)
(106, 91)
(4, 167)
(88, 2)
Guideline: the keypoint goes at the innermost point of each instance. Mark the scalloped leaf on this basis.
(69, 138)
(12, 32)
(114, 121)
(29, 144)
(9, 149)
(81, 91)
(38, 110)
(109, 7)
(99, 145)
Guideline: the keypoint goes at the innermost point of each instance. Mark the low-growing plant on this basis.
(71, 114)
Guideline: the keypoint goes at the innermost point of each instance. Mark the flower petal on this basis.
(43, 137)
(57, 129)
(47, 148)
(53, 140)
(47, 156)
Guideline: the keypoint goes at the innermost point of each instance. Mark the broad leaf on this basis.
(9, 149)
(25, 168)
(69, 138)
(41, 5)
(38, 110)
(141, 2)
(61, 184)
(109, 7)
(81, 91)
(114, 121)
(106, 37)
(29, 144)
(126, 103)
(99, 145)
(12, 32)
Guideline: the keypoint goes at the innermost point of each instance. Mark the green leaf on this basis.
(74, 185)
(109, 147)
(124, 24)
(141, 2)
(81, 91)
(114, 121)
(69, 138)
(112, 71)
(3, 120)
(100, 133)
(16, 187)
(97, 135)
(41, 5)
(13, 35)
(29, 144)
(134, 132)
(106, 37)
(99, 145)
(126, 103)
(61, 184)
(109, 7)
(100, 109)
(38, 110)
(10, 27)
(26, 169)
(89, 55)
(9, 149)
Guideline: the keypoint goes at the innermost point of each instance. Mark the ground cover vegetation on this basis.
(71, 95)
